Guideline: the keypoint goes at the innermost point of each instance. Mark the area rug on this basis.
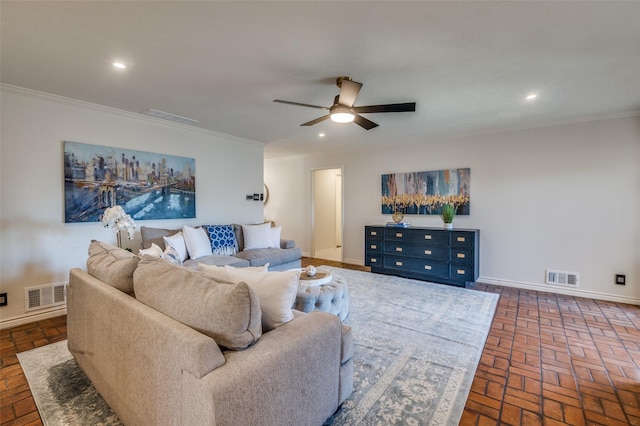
(62, 392)
(417, 346)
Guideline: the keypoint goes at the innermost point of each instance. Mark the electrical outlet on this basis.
(3, 299)
(621, 279)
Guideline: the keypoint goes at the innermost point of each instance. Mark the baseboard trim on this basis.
(550, 288)
(32, 317)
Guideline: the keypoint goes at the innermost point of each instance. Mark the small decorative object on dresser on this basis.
(397, 216)
(448, 213)
(429, 254)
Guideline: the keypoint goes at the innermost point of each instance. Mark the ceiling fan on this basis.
(343, 110)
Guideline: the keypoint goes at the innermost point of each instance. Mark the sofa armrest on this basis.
(295, 364)
(287, 244)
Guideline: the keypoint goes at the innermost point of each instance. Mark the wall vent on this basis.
(562, 277)
(45, 296)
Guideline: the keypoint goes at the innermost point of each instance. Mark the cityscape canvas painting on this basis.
(426, 192)
(147, 185)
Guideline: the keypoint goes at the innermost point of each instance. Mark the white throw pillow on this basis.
(177, 242)
(275, 290)
(275, 236)
(197, 242)
(257, 236)
(154, 251)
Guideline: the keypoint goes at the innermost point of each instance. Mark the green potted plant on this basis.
(447, 213)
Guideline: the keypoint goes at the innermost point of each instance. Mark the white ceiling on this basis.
(468, 65)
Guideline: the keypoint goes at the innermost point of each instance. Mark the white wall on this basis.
(564, 197)
(36, 246)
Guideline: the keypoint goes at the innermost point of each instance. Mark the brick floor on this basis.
(557, 360)
(549, 360)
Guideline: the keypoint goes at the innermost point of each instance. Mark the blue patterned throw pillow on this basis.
(223, 240)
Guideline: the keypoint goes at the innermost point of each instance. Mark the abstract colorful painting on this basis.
(147, 185)
(426, 192)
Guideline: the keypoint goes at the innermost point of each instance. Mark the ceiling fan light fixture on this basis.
(342, 117)
(341, 114)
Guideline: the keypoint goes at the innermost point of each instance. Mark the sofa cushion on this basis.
(197, 242)
(217, 261)
(274, 256)
(276, 291)
(203, 267)
(229, 313)
(112, 265)
(155, 235)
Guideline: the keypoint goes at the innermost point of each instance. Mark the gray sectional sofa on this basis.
(154, 339)
(287, 256)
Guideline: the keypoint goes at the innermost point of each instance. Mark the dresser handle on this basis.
(398, 248)
(460, 255)
(398, 263)
(460, 271)
(398, 234)
(374, 233)
(427, 267)
(427, 237)
(461, 239)
(373, 260)
(427, 252)
(373, 246)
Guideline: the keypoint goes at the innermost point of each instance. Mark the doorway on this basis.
(327, 214)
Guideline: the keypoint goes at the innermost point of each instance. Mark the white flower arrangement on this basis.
(116, 219)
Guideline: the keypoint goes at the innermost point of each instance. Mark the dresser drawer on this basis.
(461, 239)
(372, 260)
(373, 233)
(461, 255)
(418, 251)
(373, 246)
(461, 272)
(423, 236)
(416, 265)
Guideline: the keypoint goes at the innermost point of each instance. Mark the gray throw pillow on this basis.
(112, 265)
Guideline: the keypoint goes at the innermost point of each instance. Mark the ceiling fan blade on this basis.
(364, 123)
(405, 107)
(316, 121)
(349, 92)
(299, 104)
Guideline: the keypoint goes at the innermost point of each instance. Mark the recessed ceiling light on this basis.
(321, 135)
(531, 96)
(119, 65)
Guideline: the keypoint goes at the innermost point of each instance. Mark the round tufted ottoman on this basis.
(332, 297)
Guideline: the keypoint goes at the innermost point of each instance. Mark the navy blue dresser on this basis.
(428, 254)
